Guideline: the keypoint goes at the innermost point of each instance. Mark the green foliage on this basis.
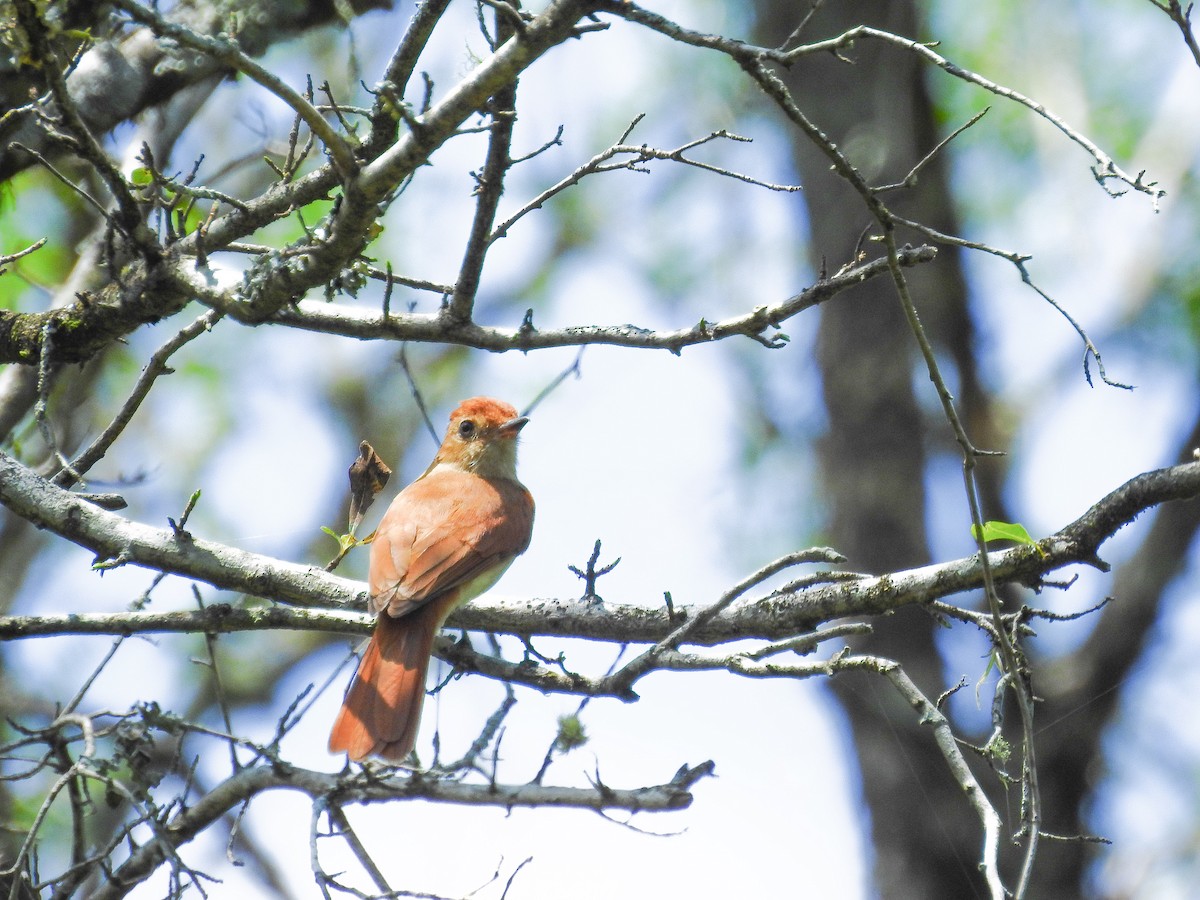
(1003, 531)
(42, 267)
(35, 206)
(345, 542)
(998, 749)
(295, 228)
(571, 734)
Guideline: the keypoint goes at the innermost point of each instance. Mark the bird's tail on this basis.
(382, 709)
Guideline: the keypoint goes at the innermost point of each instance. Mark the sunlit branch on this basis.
(756, 324)
(375, 787)
(119, 541)
(775, 616)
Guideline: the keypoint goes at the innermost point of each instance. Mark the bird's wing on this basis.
(443, 531)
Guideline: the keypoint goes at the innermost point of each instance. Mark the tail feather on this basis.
(382, 710)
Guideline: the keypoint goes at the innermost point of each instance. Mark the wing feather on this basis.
(444, 530)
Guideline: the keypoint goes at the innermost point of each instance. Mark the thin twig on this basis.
(502, 109)
(224, 50)
(1090, 351)
(910, 179)
(750, 57)
(1182, 18)
(794, 37)
(573, 369)
(638, 155)
(5, 259)
(418, 398)
(642, 664)
(49, 167)
(337, 817)
(156, 366)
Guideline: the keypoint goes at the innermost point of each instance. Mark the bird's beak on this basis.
(512, 426)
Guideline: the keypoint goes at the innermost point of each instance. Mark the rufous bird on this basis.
(444, 540)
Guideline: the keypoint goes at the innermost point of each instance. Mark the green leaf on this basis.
(992, 663)
(345, 542)
(1003, 531)
(1006, 531)
(141, 176)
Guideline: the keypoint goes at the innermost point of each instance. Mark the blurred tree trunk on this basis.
(875, 463)
(874, 456)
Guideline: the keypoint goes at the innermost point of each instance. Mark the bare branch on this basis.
(5, 259)
(356, 323)
(776, 616)
(639, 155)
(371, 787)
(118, 541)
(910, 179)
(156, 366)
(1182, 18)
(750, 56)
(489, 187)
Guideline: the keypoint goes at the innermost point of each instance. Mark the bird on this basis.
(444, 540)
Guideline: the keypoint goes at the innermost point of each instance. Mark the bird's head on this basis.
(482, 438)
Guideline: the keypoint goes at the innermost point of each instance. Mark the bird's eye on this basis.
(466, 429)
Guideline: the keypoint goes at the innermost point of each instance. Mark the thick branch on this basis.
(144, 295)
(89, 325)
(350, 225)
(773, 617)
(117, 541)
